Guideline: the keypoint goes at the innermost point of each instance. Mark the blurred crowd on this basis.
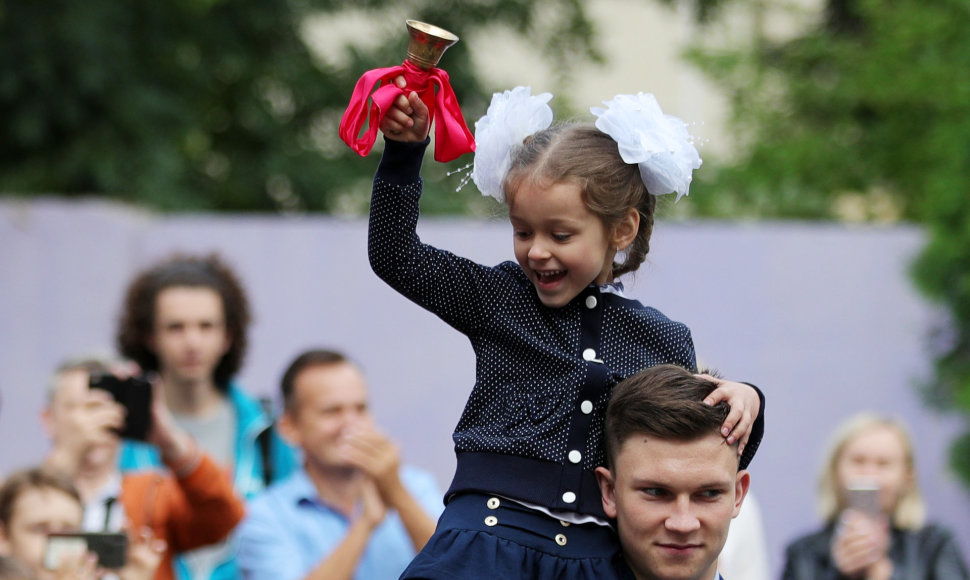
(162, 466)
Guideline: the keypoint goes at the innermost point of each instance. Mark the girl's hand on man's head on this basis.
(745, 405)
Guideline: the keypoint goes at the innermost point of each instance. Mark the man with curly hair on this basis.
(185, 318)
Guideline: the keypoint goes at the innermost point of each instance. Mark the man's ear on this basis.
(625, 230)
(607, 490)
(4, 541)
(741, 485)
(47, 420)
(287, 428)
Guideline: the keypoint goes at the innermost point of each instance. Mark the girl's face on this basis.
(877, 455)
(561, 245)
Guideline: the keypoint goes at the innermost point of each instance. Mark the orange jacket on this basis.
(188, 512)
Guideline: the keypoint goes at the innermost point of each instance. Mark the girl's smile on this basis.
(560, 244)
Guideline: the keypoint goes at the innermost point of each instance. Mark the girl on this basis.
(552, 334)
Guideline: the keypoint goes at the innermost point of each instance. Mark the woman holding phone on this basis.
(874, 513)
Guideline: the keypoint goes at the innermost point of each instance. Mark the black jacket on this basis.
(927, 554)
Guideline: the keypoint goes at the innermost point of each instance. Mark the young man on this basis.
(185, 319)
(352, 512)
(34, 503)
(191, 506)
(39, 501)
(672, 482)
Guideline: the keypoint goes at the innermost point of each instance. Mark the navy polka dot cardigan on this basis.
(532, 428)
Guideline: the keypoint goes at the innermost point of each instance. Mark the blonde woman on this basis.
(879, 534)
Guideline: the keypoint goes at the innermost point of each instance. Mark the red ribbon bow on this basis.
(452, 137)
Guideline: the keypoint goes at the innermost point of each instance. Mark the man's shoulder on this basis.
(290, 489)
(417, 473)
(251, 412)
(276, 506)
(424, 487)
(240, 400)
(416, 477)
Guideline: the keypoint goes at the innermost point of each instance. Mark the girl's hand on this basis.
(745, 405)
(408, 118)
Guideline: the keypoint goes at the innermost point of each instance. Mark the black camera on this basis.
(135, 395)
(110, 547)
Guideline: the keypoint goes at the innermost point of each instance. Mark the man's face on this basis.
(36, 513)
(77, 414)
(329, 401)
(673, 502)
(189, 336)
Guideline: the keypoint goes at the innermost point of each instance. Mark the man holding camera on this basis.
(192, 506)
(185, 319)
(40, 515)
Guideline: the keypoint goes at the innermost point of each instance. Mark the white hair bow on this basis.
(659, 144)
(511, 117)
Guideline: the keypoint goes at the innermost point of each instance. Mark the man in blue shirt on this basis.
(672, 481)
(353, 511)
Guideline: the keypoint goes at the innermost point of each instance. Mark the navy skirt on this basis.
(487, 538)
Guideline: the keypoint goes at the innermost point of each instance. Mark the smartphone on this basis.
(135, 395)
(864, 498)
(110, 547)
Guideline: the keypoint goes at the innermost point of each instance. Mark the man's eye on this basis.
(654, 492)
(711, 494)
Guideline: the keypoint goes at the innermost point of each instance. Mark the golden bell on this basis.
(427, 44)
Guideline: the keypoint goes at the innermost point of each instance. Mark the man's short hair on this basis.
(310, 358)
(35, 478)
(94, 364)
(666, 402)
(137, 320)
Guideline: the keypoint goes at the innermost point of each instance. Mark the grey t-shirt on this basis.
(215, 433)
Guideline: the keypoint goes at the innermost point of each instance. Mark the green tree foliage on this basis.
(865, 115)
(218, 104)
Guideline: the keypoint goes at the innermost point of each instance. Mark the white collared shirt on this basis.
(103, 512)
